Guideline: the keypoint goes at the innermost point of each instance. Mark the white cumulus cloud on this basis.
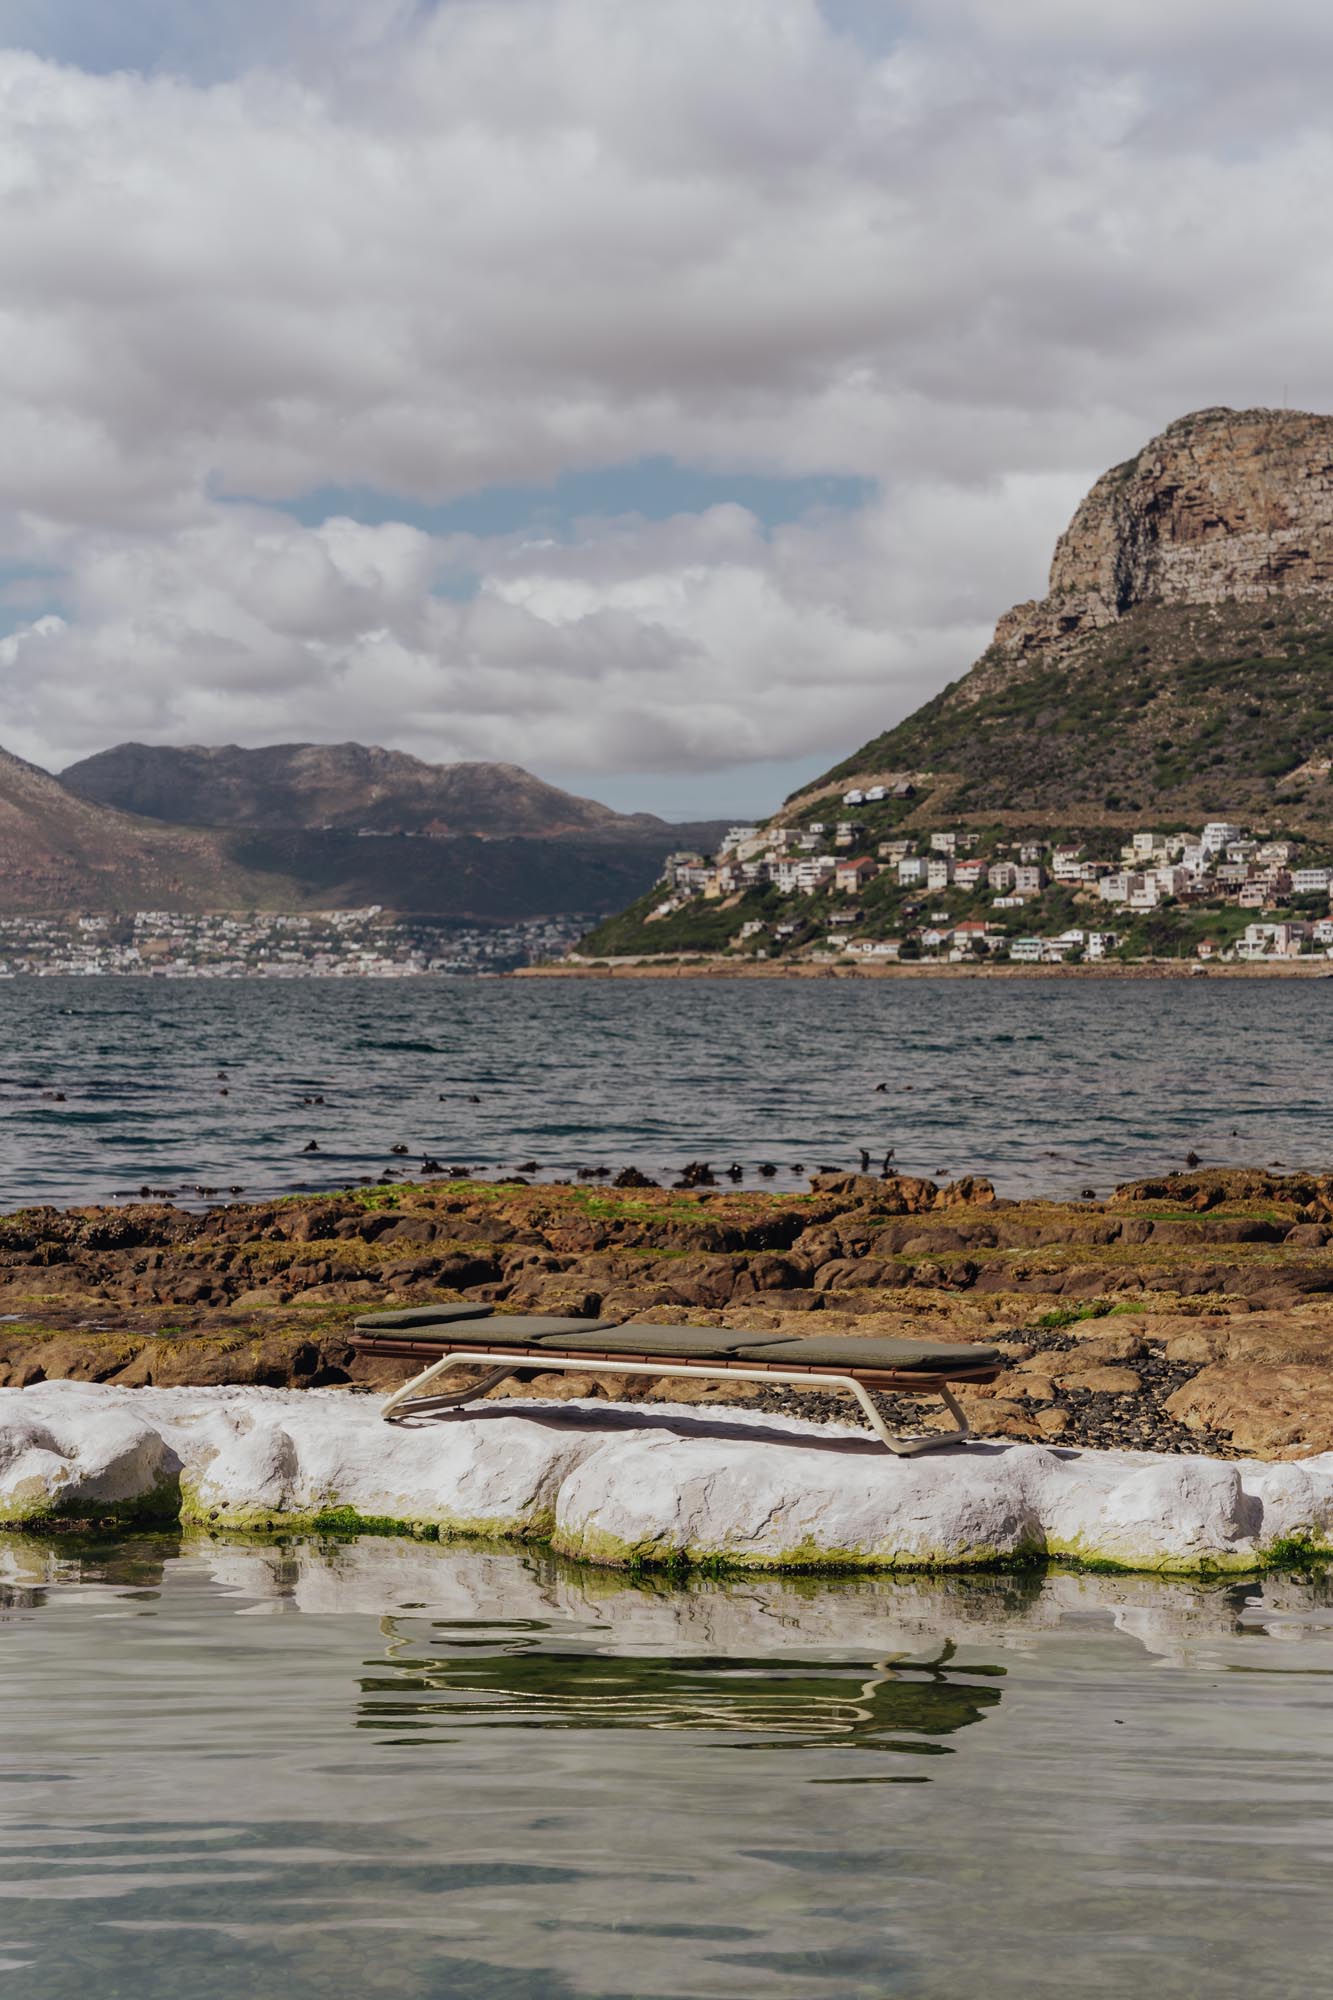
(426, 250)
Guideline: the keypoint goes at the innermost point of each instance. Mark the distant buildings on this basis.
(323, 944)
(842, 880)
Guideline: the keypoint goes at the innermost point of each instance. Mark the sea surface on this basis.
(401, 1769)
(1049, 1087)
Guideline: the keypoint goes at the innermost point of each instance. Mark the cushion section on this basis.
(502, 1330)
(922, 1357)
(688, 1343)
(408, 1317)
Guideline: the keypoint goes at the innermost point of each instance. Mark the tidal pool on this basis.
(382, 1767)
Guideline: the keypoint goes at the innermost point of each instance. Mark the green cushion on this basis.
(923, 1357)
(503, 1330)
(690, 1343)
(421, 1316)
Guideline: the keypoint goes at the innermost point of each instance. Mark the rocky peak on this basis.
(1225, 505)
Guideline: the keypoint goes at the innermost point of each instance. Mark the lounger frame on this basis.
(500, 1363)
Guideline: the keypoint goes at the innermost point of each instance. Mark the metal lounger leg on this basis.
(902, 1447)
(448, 1399)
(912, 1447)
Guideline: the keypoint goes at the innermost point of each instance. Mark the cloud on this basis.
(427, 250)
(693, 643)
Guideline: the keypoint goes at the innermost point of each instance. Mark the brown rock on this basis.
(1283, 1411)
(1051, 1422)
(1194, 1346)
(1095, 1348)
(1099, 1381)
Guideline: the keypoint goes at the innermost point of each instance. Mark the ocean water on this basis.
(1048, 1086)
(390, 1768)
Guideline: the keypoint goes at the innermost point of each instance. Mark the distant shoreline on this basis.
(717, 968)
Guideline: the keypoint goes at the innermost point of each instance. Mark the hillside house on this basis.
(912, 871)
(813, 874)
(851, 875)
(939, 871)
(1003, 876)
(1067, 864)
(1029, 878)
(970, 875)
(1310, 881)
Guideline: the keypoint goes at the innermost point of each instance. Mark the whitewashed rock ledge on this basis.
(633, 1486)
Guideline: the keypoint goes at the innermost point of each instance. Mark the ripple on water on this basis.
(1115, 1079)
(392, 1767)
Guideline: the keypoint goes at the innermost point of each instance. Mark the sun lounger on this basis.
(503, 1344)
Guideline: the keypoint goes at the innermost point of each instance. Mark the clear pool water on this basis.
(384, 1768)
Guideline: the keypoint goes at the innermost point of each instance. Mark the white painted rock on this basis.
(626, 1485)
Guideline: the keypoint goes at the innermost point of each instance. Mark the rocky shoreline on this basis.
(1187, 1315)
(707, 967)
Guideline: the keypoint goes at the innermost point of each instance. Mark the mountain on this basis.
(1180, 665)
(344, 787)
(59, 852)
(299, 826)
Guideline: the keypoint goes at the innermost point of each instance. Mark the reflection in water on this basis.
(858, 1705)
(333, 1768)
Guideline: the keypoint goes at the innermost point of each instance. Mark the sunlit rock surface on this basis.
(628, 1485)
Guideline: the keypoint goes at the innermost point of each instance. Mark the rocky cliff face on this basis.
(1182, 660)
(1226, 505)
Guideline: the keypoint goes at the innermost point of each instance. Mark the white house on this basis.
(939, 871)
(911, 871)
(1311, 881)
(813, 873)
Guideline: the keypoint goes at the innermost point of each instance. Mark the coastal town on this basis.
(365, 943)
(842, 883)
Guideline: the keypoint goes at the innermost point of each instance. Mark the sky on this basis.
(666, 395)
